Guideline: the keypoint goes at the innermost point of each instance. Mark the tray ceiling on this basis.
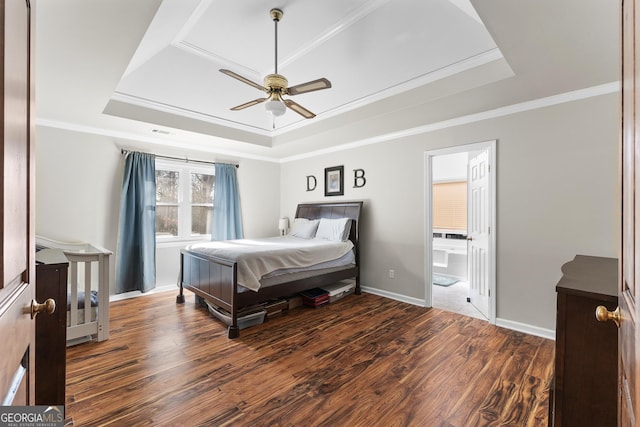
(145, 72)
(369, 50)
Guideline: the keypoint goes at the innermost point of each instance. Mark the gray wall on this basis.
(557, 196)
(78, 181)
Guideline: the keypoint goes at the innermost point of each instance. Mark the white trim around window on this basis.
(184, 202)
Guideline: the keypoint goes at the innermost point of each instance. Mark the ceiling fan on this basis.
(275, 85)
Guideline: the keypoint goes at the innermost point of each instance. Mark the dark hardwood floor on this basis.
(362, 361)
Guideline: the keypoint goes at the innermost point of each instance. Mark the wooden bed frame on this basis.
(215, 279)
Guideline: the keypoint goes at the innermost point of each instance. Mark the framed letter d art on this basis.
(334, 181)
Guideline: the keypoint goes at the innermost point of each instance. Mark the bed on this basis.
(214, 278)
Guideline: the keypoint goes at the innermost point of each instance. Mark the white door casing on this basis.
(490, 147)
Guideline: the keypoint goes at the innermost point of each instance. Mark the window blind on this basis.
(450, 205)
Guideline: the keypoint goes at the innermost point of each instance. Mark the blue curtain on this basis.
(227, 218)
(136, 254)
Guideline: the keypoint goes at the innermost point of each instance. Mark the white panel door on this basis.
(478, 231)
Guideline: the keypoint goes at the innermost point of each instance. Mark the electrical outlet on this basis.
(392, 274)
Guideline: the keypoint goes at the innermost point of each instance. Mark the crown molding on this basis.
(133, 136)
(191, 114)
(549, 101)
(576, 95)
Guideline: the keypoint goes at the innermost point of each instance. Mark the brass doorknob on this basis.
(49, 306)
(469, 238)
(603, 315)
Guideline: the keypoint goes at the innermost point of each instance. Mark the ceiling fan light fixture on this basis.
(276, 85)
(275, 105)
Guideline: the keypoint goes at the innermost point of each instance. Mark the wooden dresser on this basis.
(51, 330)
(586, 361)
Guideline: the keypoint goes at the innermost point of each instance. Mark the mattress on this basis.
(276, 256)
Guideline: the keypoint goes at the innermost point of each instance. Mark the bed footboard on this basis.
(213, 279)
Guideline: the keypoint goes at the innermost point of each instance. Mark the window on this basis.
(184, 201)
(450, 206)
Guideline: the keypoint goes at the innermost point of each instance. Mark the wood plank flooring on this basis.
(361, 361)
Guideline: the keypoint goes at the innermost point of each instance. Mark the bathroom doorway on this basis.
(460, 224)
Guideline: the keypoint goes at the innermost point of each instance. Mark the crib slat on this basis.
(73, 281)
(87, 292)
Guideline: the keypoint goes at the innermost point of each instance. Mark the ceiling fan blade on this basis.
(299, 109)
(248, 104)
(309, 86)
(242, 79)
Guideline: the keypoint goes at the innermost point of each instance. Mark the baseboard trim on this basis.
(503, 323)
(136, 294)
(394, 296)
(526, 328)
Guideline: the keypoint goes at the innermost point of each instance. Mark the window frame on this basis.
(184, 170)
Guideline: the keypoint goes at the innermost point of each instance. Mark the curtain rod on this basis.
(186, 160)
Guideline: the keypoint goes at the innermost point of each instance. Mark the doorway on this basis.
(461, 229)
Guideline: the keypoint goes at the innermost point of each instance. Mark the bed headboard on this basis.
(349, 210)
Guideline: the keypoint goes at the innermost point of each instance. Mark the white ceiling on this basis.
(148, 69)
(367, 49)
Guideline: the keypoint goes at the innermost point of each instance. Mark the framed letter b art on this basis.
(334, 181)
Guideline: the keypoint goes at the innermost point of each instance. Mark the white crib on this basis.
(85, 318)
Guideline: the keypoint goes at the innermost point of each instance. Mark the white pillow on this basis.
(334, 229)
(304, 228)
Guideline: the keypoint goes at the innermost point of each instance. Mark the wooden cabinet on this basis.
(51, 332)
(586, 361)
